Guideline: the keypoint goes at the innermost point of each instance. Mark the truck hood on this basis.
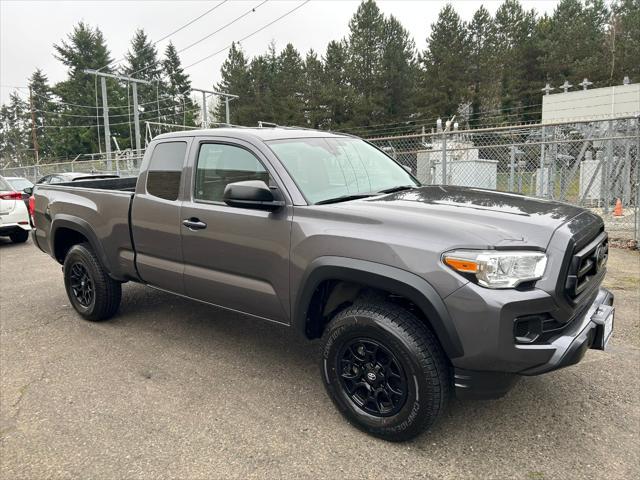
(465, 216)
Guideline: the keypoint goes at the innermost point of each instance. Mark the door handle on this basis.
(194, 224)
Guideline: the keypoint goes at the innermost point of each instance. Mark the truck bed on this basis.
(125, 184)
(100, 208)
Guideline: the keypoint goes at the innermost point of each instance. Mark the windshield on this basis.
(19, 184)
(330, 168)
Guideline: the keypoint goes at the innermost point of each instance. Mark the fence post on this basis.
(540, 189)
(551, 167)
(512, 167)
(608, 160)
(637, 205)
(626, 184)
(444, 157)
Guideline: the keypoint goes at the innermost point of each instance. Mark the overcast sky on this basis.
(28, 29)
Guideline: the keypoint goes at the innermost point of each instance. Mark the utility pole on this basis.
(34, 137)
(227, 98)
(105, 113)
(105, 107)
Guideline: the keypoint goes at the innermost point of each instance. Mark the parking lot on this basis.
(173, 388)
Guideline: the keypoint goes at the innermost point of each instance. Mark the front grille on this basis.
(587, 265)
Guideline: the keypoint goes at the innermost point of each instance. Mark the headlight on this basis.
(498, 269)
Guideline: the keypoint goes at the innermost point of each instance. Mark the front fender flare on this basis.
(383, 277)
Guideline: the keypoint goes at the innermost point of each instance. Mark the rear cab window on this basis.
(165, 170)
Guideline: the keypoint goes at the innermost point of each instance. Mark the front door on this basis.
(235, 257)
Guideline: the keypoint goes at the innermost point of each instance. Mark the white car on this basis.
(14, 216)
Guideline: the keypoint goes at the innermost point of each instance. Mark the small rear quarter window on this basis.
(165, 170)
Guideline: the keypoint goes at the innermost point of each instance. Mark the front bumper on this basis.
(494, 360)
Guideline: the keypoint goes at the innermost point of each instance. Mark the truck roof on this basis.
(261, 133)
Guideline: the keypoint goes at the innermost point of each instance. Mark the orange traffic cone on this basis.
(617, 211)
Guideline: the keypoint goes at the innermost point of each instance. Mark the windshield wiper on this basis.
(344, 198)
(400, 188)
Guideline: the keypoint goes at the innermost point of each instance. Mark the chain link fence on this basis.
(592, 164)
(125, 164)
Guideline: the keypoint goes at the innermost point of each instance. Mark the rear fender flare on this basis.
(383, 277)
(83, 227)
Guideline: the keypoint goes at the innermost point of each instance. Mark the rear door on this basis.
(239, 258)
(155, 216)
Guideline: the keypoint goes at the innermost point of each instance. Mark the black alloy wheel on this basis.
(81, 285)
(91, 291)
(372, 377)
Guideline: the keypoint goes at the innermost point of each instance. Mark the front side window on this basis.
(326, 168)
(165, 170)
(221, 164)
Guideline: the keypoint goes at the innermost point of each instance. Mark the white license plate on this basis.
(608, 328)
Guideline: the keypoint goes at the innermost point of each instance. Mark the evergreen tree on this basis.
(445, 81)
(15, 148)
(366, 41)
(482, 62)
(519, 70)
(573, 42)
(262, 76)
(623, 42)
(85, 48)
(288, 86)
(142, 63)
(337, 93)
(236, 81)
(315, 111)
(44, 110)
(177, 86)
(398, 71)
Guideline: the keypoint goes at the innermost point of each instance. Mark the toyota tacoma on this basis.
(417, 292)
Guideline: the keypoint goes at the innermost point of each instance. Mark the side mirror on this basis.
(251, 194)
(28, 191)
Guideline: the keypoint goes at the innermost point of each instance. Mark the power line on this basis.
(174, 32)
(248, 36)
(223, 27)
(122, 123)
(482, 115)
(93, 107)
(210, 34)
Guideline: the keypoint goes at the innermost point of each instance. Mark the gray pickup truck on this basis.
(417, 292)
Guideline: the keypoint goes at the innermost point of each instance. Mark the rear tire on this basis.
(92, 292)
(20, 236)
(385, 370)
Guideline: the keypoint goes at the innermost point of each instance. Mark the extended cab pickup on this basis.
(416, 291)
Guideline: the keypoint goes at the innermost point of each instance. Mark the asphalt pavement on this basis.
(176, 389)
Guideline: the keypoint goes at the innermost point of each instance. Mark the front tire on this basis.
(385, 370)
(19, 236)
(92, 292)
